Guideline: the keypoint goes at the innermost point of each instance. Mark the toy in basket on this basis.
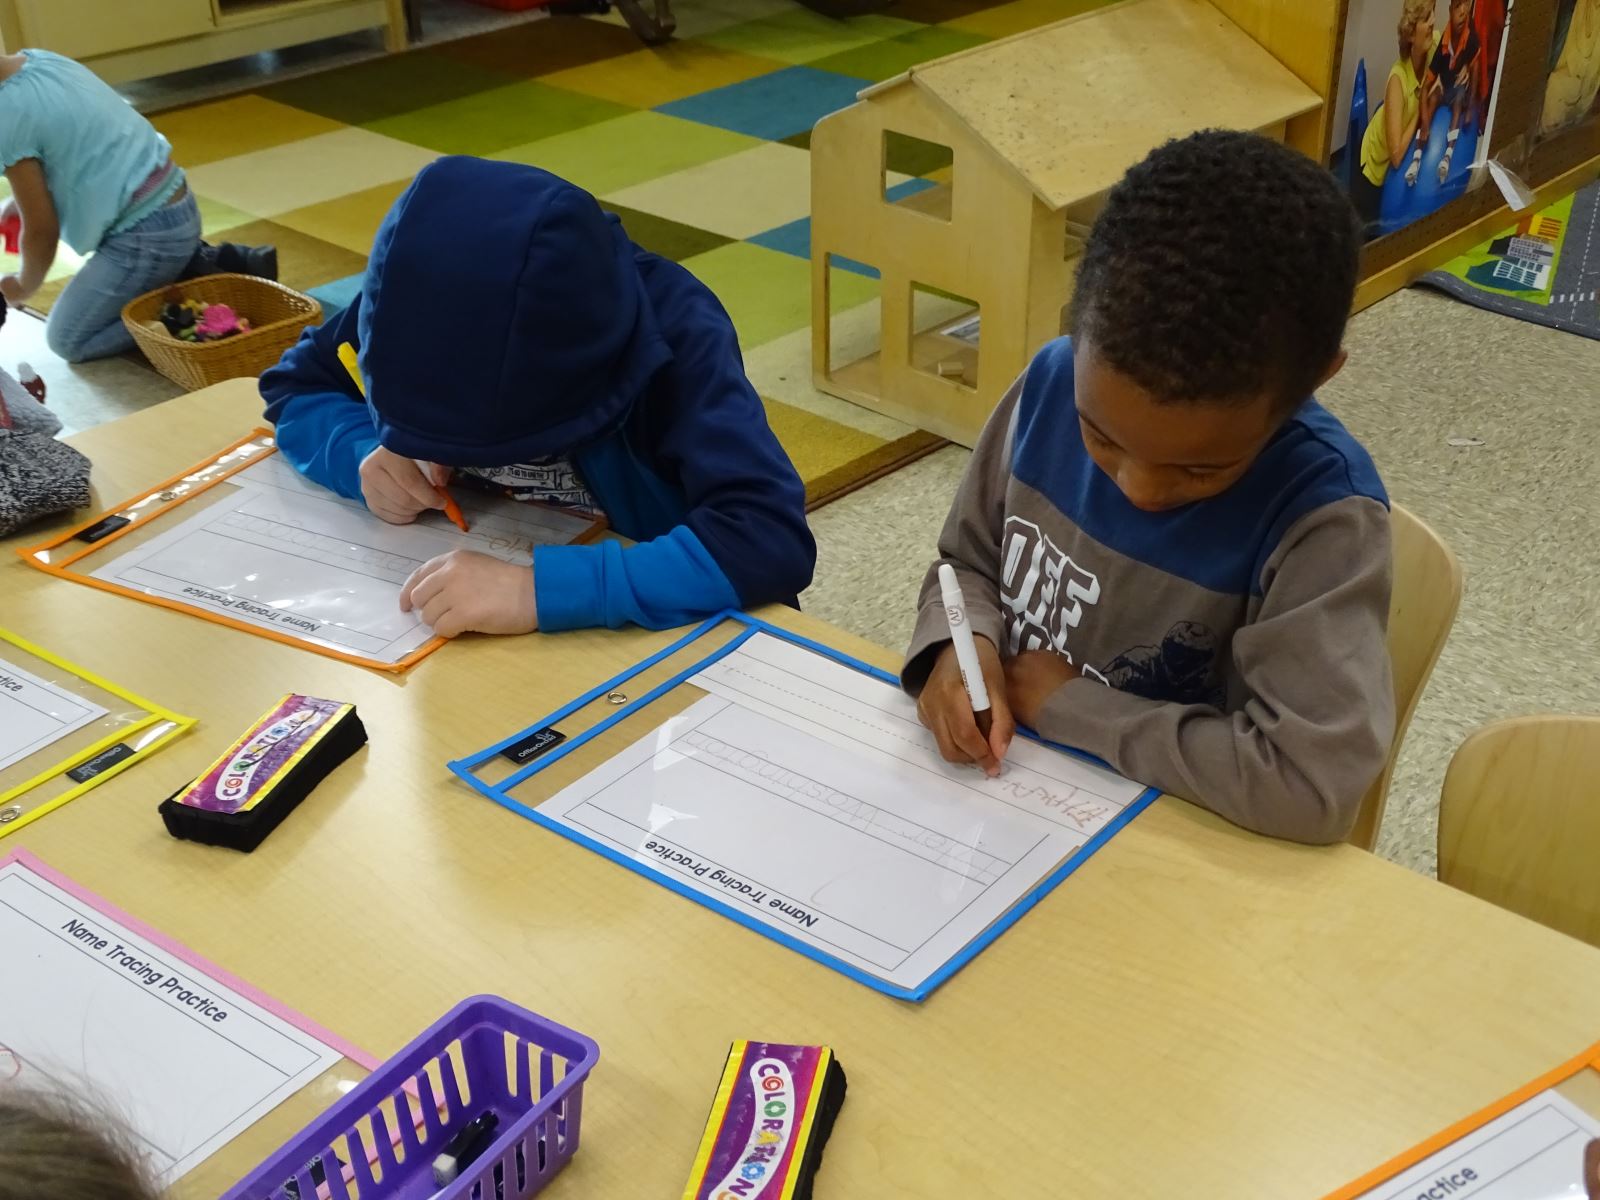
(503, 1138)
(252, 322)
(189, 320)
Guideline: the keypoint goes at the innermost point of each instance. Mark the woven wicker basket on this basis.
(276, 314)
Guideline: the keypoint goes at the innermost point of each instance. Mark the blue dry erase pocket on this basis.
(552, 749)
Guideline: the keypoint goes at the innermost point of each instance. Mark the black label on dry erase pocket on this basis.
(102, 529)
(104, 761)
(535, 744)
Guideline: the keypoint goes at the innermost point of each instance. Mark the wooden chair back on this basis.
(1422, 608)
(1519, 820)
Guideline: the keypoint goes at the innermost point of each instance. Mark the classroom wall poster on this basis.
(1573, 84)
(1418, 87)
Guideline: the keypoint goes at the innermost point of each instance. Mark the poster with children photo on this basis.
(1417, 94)
(1574, 81)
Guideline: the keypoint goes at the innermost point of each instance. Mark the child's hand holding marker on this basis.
(439, 477)
(399, 489)
(395, 488)
(946, 709)
(964, 702)
(972, 701)
(459, 592)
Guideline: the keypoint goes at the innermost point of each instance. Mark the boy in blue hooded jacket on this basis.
(508, 329)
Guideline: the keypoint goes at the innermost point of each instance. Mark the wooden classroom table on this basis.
(1197, 1012)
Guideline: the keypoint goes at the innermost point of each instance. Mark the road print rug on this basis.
(1544, 269)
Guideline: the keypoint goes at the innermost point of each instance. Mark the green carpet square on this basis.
(801, 140)
(669, 239)
(215, 215)
(383, 87)
(801, 36)
(768, 293)
(619, 153)
(884, 60)
(497, 119)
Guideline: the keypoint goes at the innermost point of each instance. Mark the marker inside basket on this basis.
(318, 1168)
(471, 1140)
(486, 1054)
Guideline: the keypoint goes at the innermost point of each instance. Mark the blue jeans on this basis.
(86, 322)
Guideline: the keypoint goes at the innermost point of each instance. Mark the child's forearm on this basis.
(38, 256)
(41, 227)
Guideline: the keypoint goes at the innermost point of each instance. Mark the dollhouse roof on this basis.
(1071, 105)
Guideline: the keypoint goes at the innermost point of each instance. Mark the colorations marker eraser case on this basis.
(769, 1122)
(246, 794)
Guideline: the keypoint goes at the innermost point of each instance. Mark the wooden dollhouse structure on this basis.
(1034, 129)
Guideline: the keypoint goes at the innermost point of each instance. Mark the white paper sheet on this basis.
(284, 553)
(34, 713)
(807, 795)
(100, 1012)
(1533, 1152)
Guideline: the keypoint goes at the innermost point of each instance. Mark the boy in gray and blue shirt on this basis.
(1177, 559)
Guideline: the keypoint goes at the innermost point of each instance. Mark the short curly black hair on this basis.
(1222, 268)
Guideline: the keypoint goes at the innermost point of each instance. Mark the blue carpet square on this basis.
(336, 296)
(795, 238)
(910, 187)
(772, 106)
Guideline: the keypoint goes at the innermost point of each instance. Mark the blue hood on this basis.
(514, 323)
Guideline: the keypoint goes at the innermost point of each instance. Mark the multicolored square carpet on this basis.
(701, 146)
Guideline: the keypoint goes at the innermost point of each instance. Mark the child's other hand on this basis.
(11, 288)
(945, 708)
(395, 488)
(468, 592)
(9, 210)
(1032, 677)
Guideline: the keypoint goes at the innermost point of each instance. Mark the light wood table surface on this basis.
(1197, 1012)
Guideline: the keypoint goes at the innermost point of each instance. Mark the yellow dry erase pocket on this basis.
(64, 731)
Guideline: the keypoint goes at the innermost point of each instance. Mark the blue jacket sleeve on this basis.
(670, 580)
(324, 427)
(743, 541)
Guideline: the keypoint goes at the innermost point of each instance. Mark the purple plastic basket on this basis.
(491, 1039)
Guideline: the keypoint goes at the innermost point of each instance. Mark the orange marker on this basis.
(347, 356)
(453, 511)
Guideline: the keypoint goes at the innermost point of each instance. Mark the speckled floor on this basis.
(88, 393)
(1522, 511)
